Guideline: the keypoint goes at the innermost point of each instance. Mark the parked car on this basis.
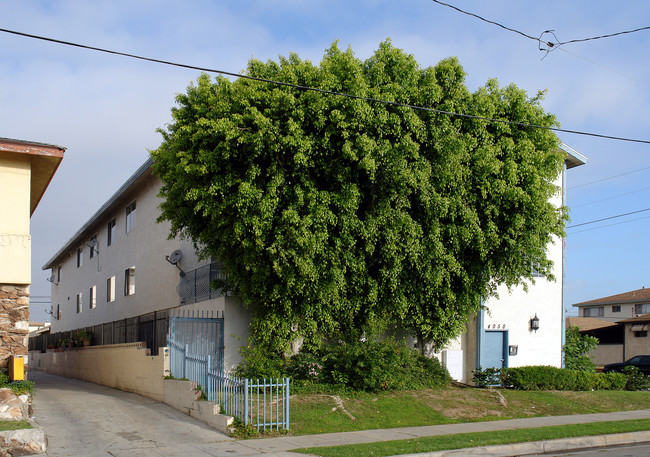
(642, 362)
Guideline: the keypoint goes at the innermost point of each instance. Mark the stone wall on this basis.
(14, 321)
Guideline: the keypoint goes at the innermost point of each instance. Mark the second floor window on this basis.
(130, 217)
(110, 289)
(642, 308)
(93, 244)
(80, 257)
(92, 297)
(129, 281)
(594, 312)
(110, 232)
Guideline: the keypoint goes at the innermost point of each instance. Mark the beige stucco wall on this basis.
(121, 366)
(129, 367)
(607, 353)
(626, 312)
(15, 241)
(635, 345)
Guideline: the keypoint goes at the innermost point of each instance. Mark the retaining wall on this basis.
(129, 367)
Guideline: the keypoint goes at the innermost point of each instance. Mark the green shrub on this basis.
(635, 380)
(307, 368)
(576, 348)
(486, 377)
(4, 379)
(610, 381)
(260, 363)
(22, 387)
(381, 365)
(553, 378)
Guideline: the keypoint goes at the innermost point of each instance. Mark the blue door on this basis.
(494, 350)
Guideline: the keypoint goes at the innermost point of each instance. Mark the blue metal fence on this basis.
(264, 404)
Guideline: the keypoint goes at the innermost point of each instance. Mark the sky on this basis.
(105, 109)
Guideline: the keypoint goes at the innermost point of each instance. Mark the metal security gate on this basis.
(195, 332)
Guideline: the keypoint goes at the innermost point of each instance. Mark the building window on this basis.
(129, 281)
(110, 289)
(92, 297)
(58, 273)
(93, 246)
(641, 334)
(534, 266)
(616, 308)
(79, 303)
(80, 257)
(642, 309)
(594, 312)
(130, 217)
(58, 312)
(110, 237)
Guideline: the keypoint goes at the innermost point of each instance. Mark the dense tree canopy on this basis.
(336, 216)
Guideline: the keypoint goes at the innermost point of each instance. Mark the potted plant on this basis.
(81, 338)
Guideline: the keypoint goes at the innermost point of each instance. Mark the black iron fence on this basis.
(150, 328)
(197, 285)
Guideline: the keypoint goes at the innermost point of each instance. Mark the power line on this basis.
(609, 177)
(551, 45)
(608, 218)
(322, 91)
(608, 225)
(609, 198)
(604, 67)
(488, 21)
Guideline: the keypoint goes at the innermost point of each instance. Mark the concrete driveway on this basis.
(85, 419)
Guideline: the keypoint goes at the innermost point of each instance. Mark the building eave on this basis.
(45, 160)
(141, 173)
(573, 157)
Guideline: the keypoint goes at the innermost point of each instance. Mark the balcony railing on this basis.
(195, 285)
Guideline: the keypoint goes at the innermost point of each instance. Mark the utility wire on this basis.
(609, 225)
(604, 67)
(608, 218)
(322, 91)
(488, 21)
(607, 178)
(551, 45)
(609, 198)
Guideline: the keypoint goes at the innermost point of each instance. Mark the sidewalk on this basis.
(279, 446)
(85, 419)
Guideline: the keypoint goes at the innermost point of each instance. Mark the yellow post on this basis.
(16, 368)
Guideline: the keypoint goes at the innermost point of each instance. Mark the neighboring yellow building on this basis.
(26, 169)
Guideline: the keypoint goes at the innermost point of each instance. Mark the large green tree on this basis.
(336, 216)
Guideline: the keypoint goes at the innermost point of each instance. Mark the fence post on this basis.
(185, 361)
(286, 403)
(245, 401)
(206, 386)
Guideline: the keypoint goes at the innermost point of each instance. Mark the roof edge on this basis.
(100, 212)
(574, 158)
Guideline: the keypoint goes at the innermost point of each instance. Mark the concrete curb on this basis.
(541, 447)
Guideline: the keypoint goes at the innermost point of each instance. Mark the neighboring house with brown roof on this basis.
(611, 338)
(26, 169)
(617, 307)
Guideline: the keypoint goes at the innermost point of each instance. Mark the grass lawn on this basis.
(318, 413)
(13, 425)
(465, 440)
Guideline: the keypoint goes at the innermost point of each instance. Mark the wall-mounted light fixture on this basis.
(534, 323)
